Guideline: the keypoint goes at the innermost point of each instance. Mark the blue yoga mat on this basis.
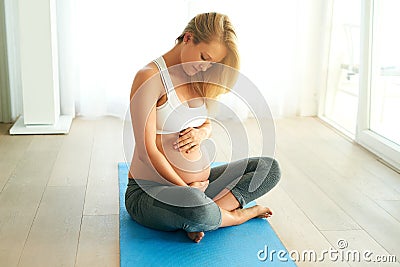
(249, 244)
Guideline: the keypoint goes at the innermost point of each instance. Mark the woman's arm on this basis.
(144, 95)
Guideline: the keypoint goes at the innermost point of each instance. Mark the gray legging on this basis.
(169, 208)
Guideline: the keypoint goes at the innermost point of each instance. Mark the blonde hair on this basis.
(209, 27)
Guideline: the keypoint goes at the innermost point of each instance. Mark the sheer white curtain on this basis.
(103, 43)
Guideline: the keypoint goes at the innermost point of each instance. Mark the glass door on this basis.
(362, 96)
(341, 97)
(379, 105)
(385, 74)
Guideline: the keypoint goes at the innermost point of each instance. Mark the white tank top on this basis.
(173, 116)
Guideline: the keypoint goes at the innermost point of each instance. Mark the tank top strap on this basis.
(165, 77)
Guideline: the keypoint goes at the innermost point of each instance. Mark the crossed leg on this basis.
(233, 215)
(231, 212)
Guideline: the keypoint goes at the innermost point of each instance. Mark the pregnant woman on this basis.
(171, 185)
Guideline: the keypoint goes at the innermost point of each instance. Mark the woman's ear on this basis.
(187, 37)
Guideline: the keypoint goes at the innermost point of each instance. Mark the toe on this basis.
(196, 236)
(199, 236)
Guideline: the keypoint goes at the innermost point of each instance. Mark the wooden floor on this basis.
(59, 194)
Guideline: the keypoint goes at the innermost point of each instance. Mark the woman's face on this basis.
(201, 56)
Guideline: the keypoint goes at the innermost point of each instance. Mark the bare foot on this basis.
(256, 211)
(263, 212)
(196, 236)
(239, 216)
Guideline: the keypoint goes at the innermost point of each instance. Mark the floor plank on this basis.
(102, 184)
(385, 174)
(73, 161)
(98, 241)
(12, 150)
(391, 206)
(322, 210)
(53, 239)
(34, 168)
(17, 211)
(102, 187)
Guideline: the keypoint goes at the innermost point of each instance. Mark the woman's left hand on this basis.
(202, 186)
(189, 139)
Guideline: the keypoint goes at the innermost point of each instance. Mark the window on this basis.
(362, 96)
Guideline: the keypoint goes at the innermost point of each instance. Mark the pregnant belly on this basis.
(191, 167)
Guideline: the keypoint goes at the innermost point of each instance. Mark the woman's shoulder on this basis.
(144, 75)
(147, 71)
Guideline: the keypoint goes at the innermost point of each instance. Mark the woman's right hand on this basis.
(200, 185)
